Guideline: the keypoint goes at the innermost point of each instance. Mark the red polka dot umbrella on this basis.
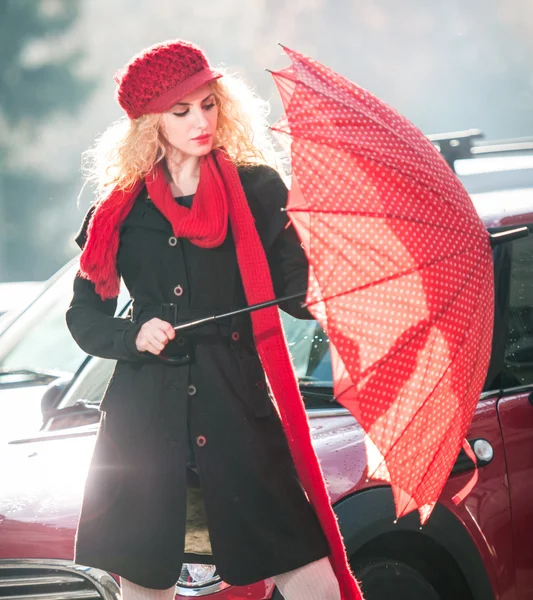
(400, 275)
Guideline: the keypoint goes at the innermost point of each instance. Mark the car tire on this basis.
(384, 578)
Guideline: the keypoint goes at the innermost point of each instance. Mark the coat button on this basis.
(180, 341)
(235, 336)
(172, 241)
(201, 441)
(191, 390)
(178, 290)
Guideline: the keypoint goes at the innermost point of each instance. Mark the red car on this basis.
(478, 550)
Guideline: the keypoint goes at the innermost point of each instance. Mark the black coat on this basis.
(213, 413)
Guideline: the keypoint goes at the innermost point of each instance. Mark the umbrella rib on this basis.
(364, 112)
(430, 464)
(355, 243)
(420, 156)
(390, 277)
(350, 242)
(435, 320)
(426, 369)
(379, 363)
(443, 311)
(451, 421)
(392, 168)
(440, 444)
(424, 450)
(459, 347)
(487, 282)
(377, 216)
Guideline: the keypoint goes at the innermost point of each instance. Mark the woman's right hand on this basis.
(154, 335)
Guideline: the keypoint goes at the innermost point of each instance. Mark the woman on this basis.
(191, 463)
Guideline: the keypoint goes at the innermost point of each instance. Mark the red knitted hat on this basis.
(156, 78)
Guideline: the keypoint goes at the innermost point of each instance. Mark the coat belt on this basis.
(177, 315)
(181, 350)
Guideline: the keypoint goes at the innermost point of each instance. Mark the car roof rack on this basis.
(457, 145)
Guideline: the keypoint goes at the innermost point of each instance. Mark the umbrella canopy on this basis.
(401, 275)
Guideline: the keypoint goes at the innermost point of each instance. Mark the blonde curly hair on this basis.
(129, 149)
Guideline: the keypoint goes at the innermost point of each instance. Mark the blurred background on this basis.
(445, 65)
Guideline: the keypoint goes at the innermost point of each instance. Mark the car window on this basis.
(309, 347)
(39, 339)
(90, 385)
(518, 358)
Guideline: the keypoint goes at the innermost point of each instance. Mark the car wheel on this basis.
(384, 578)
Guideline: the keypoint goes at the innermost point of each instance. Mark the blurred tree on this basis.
(38, 79)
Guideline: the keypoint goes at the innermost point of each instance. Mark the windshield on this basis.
(39, 339)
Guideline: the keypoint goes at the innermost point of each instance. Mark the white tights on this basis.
(315, 581)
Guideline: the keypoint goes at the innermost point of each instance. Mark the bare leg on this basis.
(132, 591)
(315, 581)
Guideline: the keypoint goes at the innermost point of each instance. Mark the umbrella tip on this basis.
(269, 71)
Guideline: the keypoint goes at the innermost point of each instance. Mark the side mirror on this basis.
(52, 396)
(80, 414)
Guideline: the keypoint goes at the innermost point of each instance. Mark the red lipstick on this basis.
(202, 138)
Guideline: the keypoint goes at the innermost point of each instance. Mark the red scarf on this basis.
(220, 193)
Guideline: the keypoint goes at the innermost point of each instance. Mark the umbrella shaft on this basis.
(240, 311)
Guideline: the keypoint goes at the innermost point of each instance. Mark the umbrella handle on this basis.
(508, 236)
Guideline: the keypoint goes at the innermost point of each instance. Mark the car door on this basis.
(515, 408)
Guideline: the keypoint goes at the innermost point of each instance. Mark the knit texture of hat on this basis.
(156, 78)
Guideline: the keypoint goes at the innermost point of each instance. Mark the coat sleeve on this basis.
(287, 260)
(91, 320)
